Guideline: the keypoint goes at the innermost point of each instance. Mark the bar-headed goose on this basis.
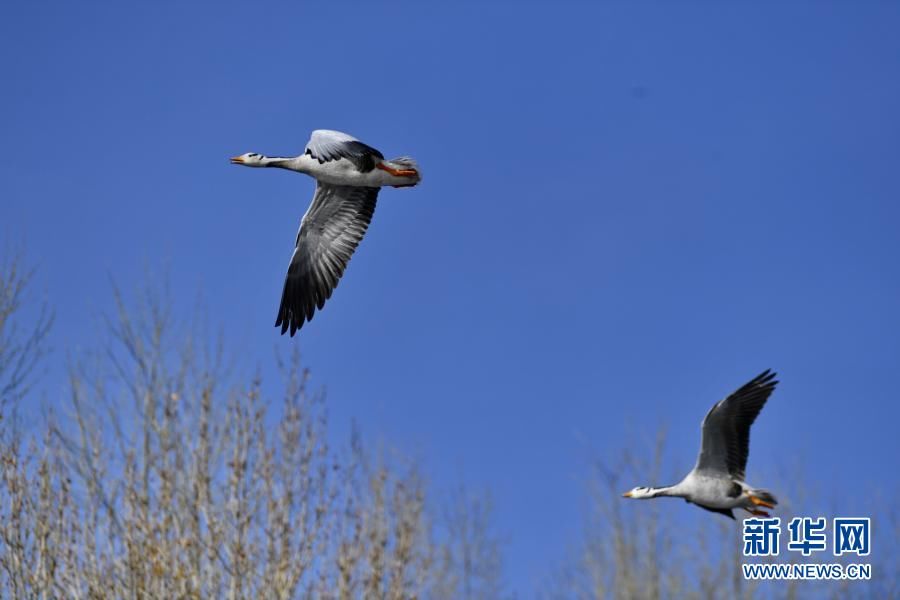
(349, 175)
(717, 481)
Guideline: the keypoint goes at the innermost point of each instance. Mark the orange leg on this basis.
(759, 513)
(757, 502)
(397, 172)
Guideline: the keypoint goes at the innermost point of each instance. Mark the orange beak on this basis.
(237, 160)
(626, 495)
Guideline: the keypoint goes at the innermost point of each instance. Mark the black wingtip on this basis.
(285, 323)
(766, 378)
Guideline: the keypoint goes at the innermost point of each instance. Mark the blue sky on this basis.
(627, 211)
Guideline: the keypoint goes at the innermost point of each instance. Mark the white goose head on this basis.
(249, 159)
(640, 493)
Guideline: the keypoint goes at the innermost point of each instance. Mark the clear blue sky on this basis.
(626, 212)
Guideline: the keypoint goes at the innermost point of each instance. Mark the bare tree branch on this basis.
(21, 349)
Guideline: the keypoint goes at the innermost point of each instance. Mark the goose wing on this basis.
(329, 233)
(725, 442)
(326, 145)
(722, 511)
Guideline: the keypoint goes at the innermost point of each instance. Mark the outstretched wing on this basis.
(725, 442)
(330, 231)
(326, 145)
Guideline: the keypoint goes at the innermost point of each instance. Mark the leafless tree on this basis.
(21, 349)
(168, 475)
(469, 561)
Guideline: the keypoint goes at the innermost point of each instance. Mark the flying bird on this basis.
(716, 482)
(349, 175)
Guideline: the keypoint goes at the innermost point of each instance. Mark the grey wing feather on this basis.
(722, 511)
(326, 145)
(329, 233)
(725, 443)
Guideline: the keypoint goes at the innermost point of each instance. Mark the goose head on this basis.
(249, 159)
(639, 493)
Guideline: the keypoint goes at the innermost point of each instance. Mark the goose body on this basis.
(349, 175)
(343, 171)
(716, 483)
